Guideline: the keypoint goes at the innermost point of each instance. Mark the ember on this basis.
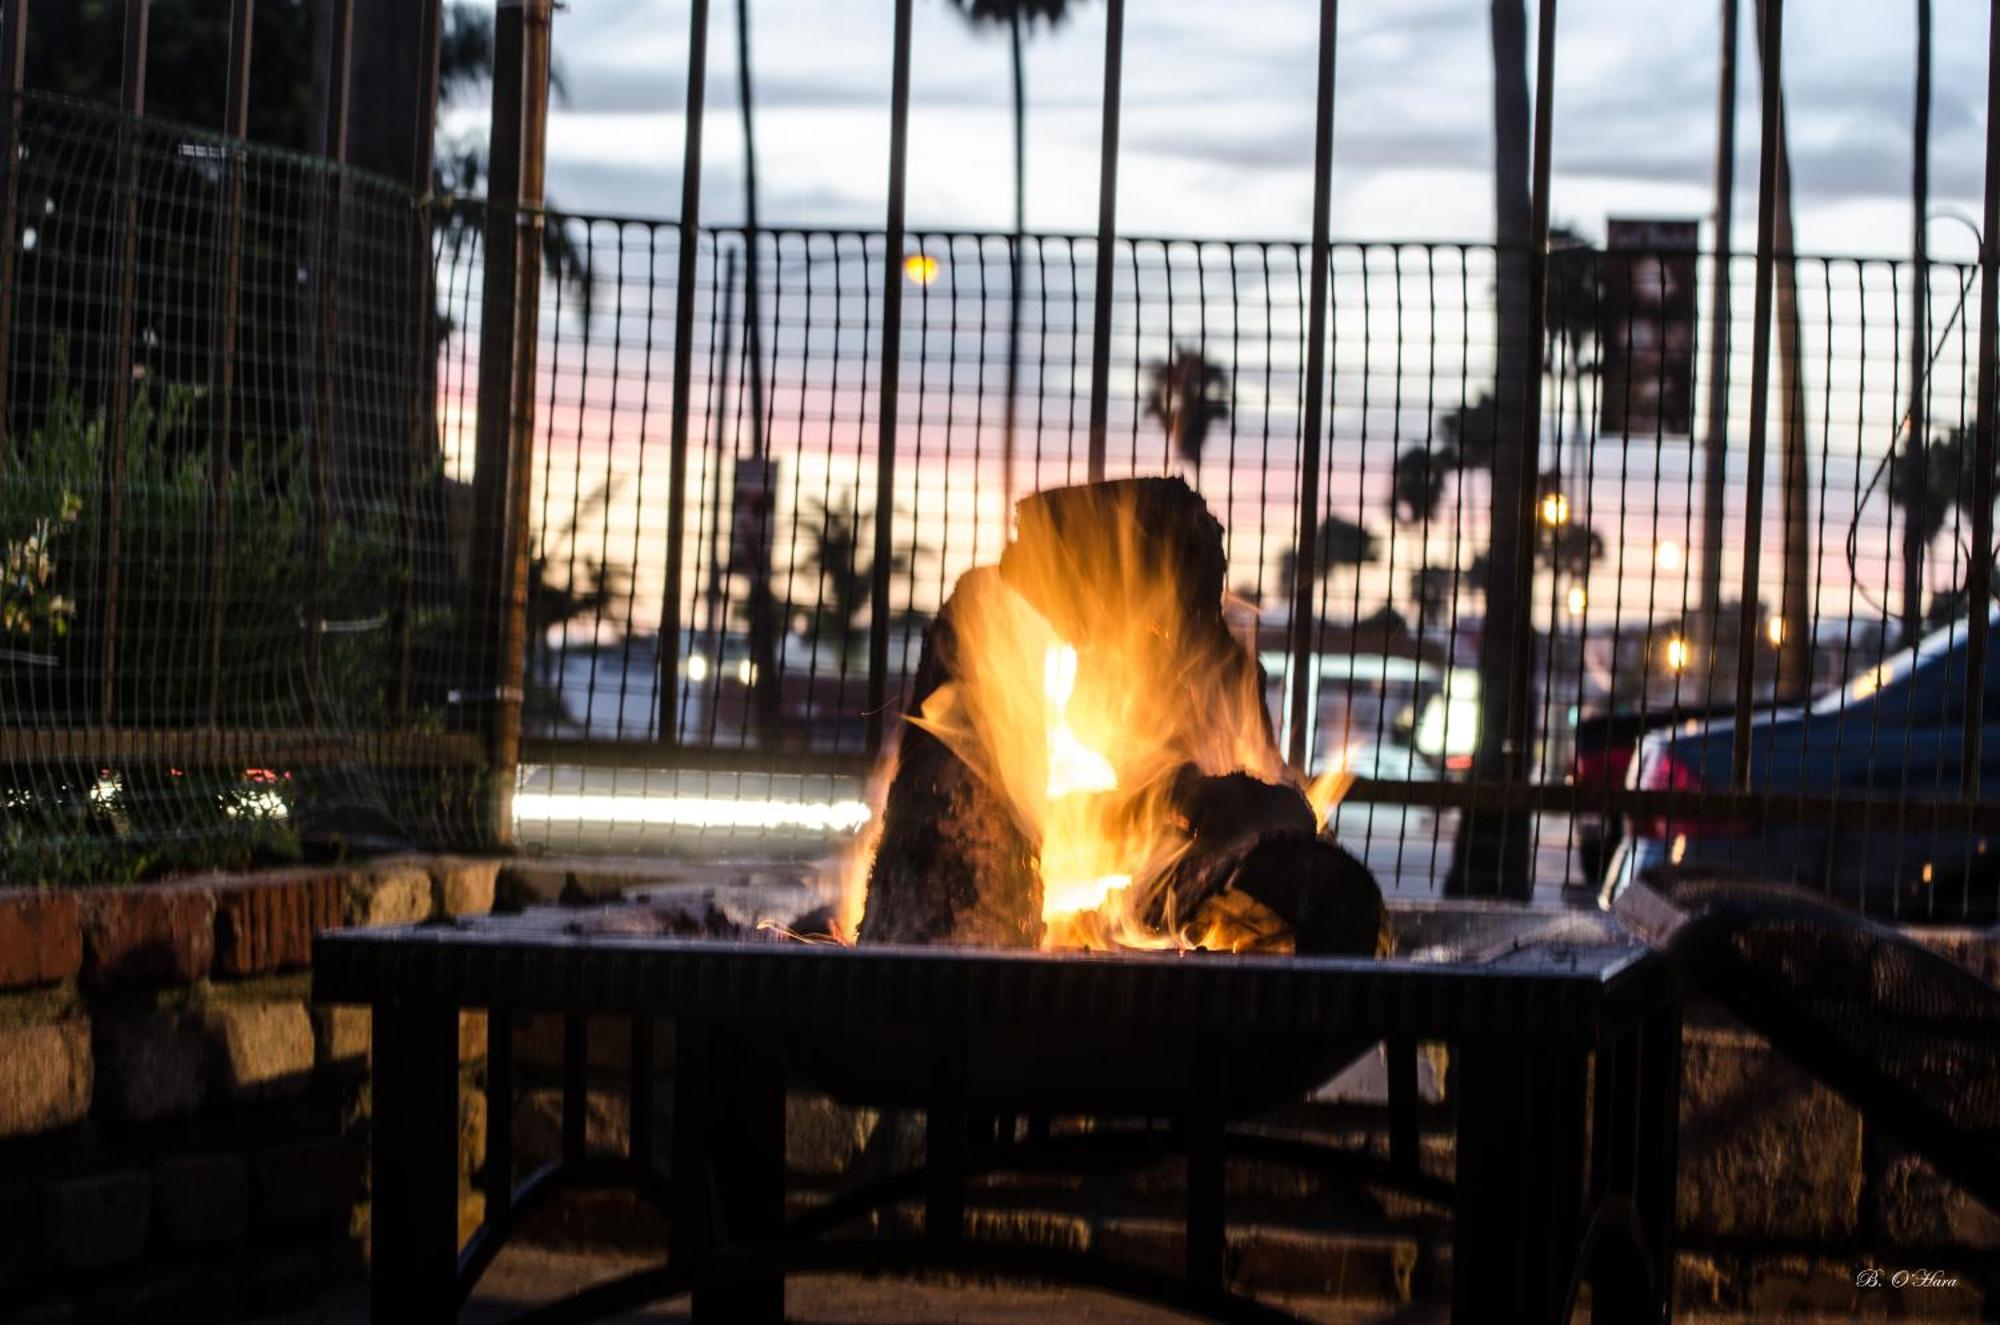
(1089, 762)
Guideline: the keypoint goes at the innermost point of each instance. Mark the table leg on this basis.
(415, 1178)
(1658, 1147)
(729, 1166)
(1521, 1142)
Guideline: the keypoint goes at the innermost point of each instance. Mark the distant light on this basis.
(1555, 510)
(1774, 631)
(1669, 555)
(746, 672)
(1578, 600)
(697, 667)
(921, 268)
(1679, 654)
(693, 811)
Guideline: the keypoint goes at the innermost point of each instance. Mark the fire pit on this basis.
(1530, 1021)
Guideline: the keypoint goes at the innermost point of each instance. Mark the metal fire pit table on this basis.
(1566, 1058)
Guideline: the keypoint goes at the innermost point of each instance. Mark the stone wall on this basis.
(182, 1133)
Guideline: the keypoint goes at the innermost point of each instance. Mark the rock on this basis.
(463, 885)
(40, 938)
(202, 1200)
(823, 1137)
(262, 1049)
(151, 1065)
(389, 894)
(1765, 1151)
(341, 1033)
(308, 1182)
(45, 1076)
(98, 1223)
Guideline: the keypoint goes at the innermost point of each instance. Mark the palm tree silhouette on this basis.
(1186, 395)
(1016, 16)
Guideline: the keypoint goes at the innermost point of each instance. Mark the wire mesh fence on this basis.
(230, 614)
(754, 720)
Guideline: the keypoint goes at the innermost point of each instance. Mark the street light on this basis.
(1679, 653)
(1555, 510)
(1774, 631)
(921, 268)
(1669, 555)
(1579, 599)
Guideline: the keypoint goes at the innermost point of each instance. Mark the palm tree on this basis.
(1575, 304)
(1186, 395)
(840, 574)
(1338, 543)
(1016, 15)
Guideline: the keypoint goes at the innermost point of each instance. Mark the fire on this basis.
(1088, 683)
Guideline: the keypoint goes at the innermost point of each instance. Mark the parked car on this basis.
(1895, 731)
(1600, 757)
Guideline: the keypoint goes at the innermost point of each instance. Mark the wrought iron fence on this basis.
(764, 696)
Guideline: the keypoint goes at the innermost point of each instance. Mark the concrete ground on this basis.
(526, 1277)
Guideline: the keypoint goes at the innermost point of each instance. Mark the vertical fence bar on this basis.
(1770, 61)
(1920, 332)
(502, 477)
(1715, 451)
(1107, 235)
(132, 101)
(13, 76)
(667, 728)
(1520, 715)
(319, 454)
(423, 356)
(1979, 574)
(1305, 573)
(892, 352)
(236, 124)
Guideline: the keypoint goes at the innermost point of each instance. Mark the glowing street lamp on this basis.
(921, 268)
(1679, 653)
(1774, 631)
(1578, 600)
(1669, 555)
(1555, 510)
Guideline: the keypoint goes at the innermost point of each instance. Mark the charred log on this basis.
(951, 866)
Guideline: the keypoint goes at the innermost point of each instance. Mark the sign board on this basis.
(1646, 337)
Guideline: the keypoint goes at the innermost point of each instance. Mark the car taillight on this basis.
(1601, 768)
(1664, 772)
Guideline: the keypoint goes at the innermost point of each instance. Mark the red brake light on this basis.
(1663, 772)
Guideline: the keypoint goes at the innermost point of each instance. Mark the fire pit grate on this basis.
(1529, 1021)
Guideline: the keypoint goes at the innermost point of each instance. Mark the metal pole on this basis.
(667, 691)
(13, 81)
(1306, 568)
(423, 349)
(1920, 338)
(1107, 234)
(892, 350)
(1979, 577)
(319, 442)
(1715, 451)
(236, 124)
(1770, 59)
(132, 100)
(1520, 729)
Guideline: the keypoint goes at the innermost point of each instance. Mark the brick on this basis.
(97, 1223)
(262, 1050)
(202, 1200)
(341, 1033)
(45, 1076)
(147, 934)
(398, 894)
(463, 885)
(267, 924)
(293, 1278)
(40, 937)
(538, 1125)
(1280, 1260)
(309, 1182)
(1765, 1151)
(471, 1132)
(151, 1065)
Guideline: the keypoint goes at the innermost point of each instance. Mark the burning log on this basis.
(1090, 746)
(951, 865)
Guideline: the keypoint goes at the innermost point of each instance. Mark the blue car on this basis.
(1894, 732)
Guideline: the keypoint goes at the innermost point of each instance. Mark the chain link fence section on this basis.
(232, 615)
